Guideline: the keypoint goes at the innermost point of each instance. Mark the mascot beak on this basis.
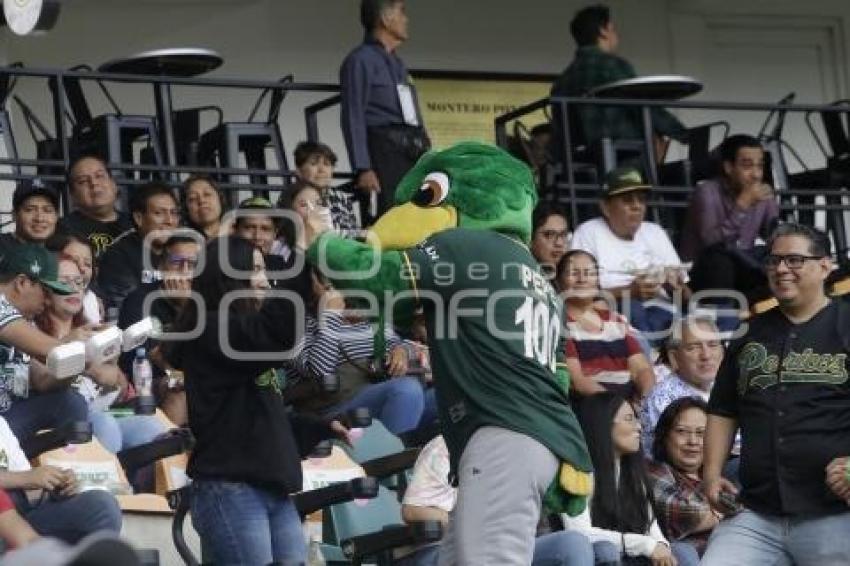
(406, 225)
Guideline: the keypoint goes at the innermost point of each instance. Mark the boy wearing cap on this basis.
(638, 264)
(25, 271)
(35, 209)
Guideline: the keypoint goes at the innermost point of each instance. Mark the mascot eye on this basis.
(434, 190)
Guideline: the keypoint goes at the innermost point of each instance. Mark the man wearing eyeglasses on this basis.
(177, 267)
(785, 384)
(695, 351)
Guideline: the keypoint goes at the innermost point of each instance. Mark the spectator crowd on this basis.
(713, 440)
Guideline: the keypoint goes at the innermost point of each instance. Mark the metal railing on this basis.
(575, 193)
(170, 170)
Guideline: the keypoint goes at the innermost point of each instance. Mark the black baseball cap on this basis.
(36, 187)
(623, 180)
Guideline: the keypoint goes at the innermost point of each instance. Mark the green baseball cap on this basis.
(623, 180)
(36, 263)
(255, 202)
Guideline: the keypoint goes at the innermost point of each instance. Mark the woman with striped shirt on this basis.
(603, 353)
(372, 369)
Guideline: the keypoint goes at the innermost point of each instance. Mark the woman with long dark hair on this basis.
(247, 456)
(372, 369)
(619, 519)
(675, 475)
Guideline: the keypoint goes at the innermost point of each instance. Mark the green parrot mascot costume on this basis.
(456, 244)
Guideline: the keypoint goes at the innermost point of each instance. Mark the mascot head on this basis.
(469, 185)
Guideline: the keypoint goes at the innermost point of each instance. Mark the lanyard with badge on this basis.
(406, 100)
(408, 104)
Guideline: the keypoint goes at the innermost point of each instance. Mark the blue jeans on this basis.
(607, 553)
(72, 518)
(245, 525)
(429, 410)
(44, 411)
(398, 403)
(118, 434)
(752, 538)
(562, 548)
(686, 554)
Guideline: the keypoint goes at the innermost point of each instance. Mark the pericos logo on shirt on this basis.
(759, 369)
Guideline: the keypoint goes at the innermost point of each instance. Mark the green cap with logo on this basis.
(255, 202)
(36, 263)
(623, 180)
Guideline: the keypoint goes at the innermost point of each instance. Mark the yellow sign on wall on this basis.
(460, 106)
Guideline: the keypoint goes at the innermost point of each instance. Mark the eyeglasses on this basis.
(555, 235)
(587, 273)
(793, 261)
(183, 261)
(74, 282)
(694, 347)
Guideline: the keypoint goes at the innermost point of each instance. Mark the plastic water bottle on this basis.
(314, 552)
(143, 382)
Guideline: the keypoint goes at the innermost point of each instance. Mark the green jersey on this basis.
(495, 332)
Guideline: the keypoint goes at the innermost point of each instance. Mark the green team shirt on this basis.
(495, 332)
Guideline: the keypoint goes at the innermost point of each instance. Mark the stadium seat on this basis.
(111, 135)
(222, 146)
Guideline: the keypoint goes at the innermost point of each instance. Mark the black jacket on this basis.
(243, 431)
(132, 311)
(120, 269)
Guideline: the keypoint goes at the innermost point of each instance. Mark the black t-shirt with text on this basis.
(100, 234)
(787, 386)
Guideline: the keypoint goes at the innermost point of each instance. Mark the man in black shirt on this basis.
(177, 268)
(132, 259)
(785, 383)
(94, 194)
(35, 210)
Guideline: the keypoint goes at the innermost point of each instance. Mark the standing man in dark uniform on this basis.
(381, 121)
(785, 383)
